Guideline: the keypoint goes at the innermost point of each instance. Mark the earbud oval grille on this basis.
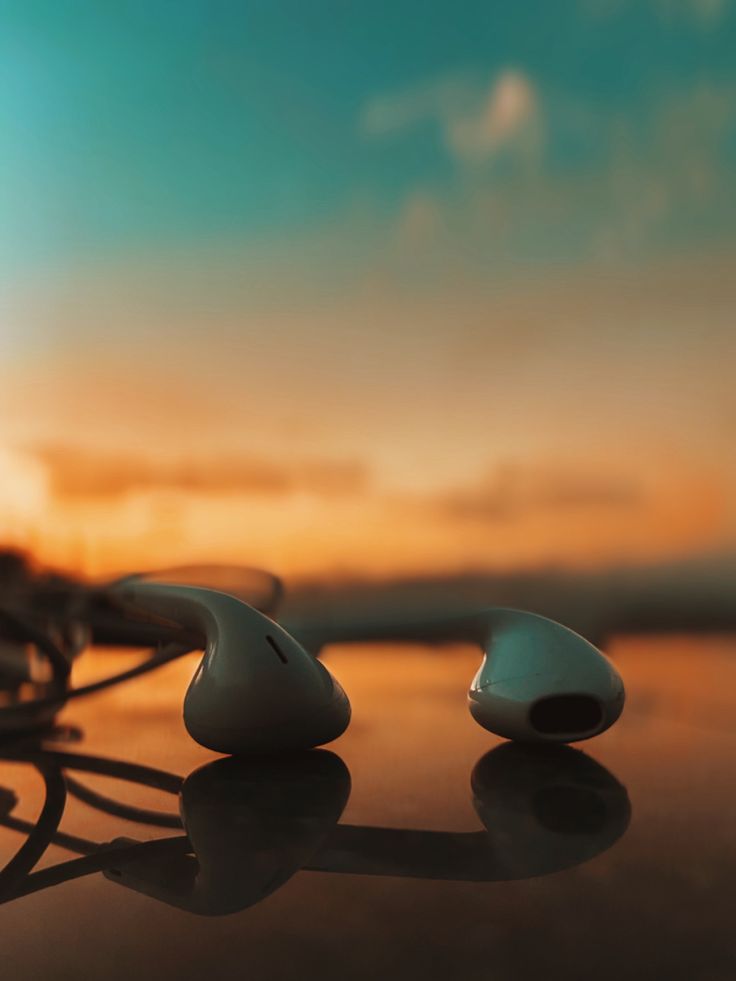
(566, 714)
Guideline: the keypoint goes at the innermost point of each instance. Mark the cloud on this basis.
(705, 13)
(677, 176)
(433, 100)
(654, 178)
(475, 121)
(508, 117)
(82, 473)
(420, 222)
(514, 491)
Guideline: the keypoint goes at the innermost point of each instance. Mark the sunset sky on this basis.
(372, 288)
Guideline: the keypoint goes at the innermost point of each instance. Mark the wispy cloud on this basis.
(508, 117)
(430, 100)
(704, 13)
(515, 491)
(640, 184)
(82, 473)
(476, 121)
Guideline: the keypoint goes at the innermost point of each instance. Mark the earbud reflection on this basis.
(253, 824)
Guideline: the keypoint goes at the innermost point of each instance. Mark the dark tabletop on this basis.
(416, 846)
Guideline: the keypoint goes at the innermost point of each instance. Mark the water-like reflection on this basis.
(252, 824)
(544, 809)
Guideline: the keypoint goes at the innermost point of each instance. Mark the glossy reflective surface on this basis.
(417, 845)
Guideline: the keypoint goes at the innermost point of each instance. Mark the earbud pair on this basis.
(257, 690)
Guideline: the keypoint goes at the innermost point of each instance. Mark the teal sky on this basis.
(434, 265)
(196, 124)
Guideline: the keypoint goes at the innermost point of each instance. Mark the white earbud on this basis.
(538, 681)
(256, 689)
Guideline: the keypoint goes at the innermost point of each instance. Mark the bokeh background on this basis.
(368, 289)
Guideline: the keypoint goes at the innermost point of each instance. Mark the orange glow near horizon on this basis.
(588, 427)
(366, 532)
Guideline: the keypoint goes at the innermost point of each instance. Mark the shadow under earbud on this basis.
(544, 808)
(252, 824)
